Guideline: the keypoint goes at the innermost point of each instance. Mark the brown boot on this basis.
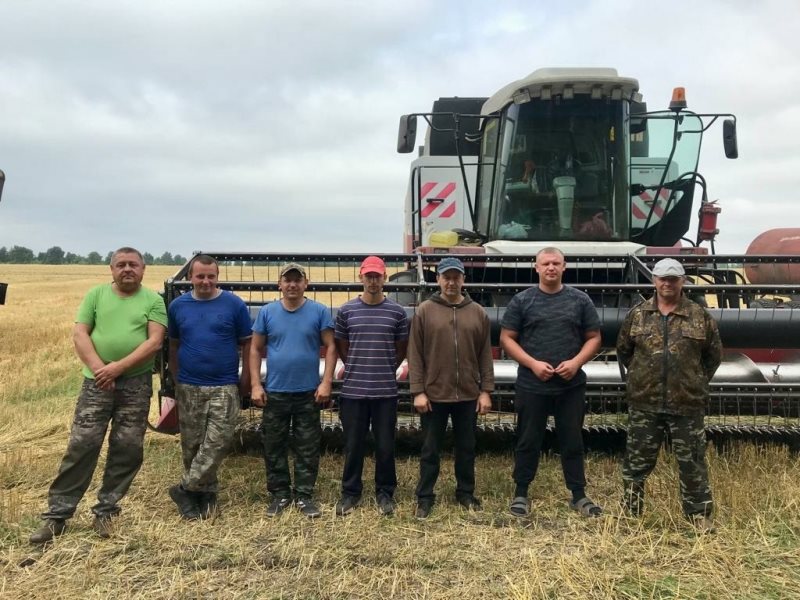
(49, 529)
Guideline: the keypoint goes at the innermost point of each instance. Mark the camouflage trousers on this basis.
(126, 407)
(207, 416)
(646, 432)
(291, 419)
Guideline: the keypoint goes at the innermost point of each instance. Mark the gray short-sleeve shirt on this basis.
(552, 328)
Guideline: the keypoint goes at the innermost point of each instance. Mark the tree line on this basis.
(56, 256)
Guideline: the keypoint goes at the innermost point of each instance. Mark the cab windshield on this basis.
(561, 172)
(665, 153)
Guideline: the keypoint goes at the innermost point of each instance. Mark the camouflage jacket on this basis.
(670, 360)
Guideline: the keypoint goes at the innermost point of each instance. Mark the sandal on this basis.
(519, 507)
(586, 507)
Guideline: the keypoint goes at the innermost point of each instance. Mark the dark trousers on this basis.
(126, 408)
(434, 425)
(298, 414)
(646, 432)
(532, 411)
(357, 415)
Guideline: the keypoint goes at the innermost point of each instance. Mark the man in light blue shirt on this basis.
(292, 331)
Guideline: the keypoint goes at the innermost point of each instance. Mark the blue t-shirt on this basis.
(552, 328)
(371, 331)
(210, 332)
(293, 341)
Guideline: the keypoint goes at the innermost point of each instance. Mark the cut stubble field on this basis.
(454, 554)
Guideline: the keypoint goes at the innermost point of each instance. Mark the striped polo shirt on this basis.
(371, 331)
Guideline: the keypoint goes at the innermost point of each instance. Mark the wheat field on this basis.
(454, 554)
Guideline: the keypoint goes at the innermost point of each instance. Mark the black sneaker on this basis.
(277, 506)
(208, 505)
(469, 502)
(187, 503)
(346, 505)
(49, 529)
(386, 505)
(424, 508)
(308, 507)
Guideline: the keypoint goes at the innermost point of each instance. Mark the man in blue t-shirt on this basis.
(551, 330)
(371, 339)
(292, 331)
(207, 327)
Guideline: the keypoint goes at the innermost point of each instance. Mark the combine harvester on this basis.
(571, 158)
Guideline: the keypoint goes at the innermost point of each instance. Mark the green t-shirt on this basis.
(119, 325)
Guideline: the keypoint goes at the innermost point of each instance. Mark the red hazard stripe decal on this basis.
(658, 210)
(428, 209)
(426, 187)
(448, 189)
(449, 211)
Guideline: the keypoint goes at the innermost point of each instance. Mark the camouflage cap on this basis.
(293, 266)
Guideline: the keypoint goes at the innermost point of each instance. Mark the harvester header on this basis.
(756, 390)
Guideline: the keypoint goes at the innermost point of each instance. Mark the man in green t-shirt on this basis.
(118, 331)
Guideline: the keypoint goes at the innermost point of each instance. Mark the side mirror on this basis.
(638, 122)
(2, 181)
(407, 134)
(729, 138)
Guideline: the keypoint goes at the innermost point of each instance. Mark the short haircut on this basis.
(126, 250)
(549, 250)
(203, 259)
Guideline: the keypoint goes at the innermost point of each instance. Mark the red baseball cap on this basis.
(372, 264)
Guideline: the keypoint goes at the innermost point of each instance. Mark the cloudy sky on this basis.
(271, 126)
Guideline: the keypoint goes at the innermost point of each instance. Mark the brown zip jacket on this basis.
(450, 351)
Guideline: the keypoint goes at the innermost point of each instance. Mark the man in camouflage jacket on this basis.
(671, 348)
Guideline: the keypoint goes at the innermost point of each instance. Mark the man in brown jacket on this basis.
(451, 375)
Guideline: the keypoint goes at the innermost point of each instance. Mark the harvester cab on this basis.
(562, 156)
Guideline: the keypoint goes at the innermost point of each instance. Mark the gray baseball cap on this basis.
(668, 267)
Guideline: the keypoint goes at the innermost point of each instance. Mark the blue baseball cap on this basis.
(447, 264)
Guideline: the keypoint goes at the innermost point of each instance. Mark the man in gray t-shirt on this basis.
(551, 331)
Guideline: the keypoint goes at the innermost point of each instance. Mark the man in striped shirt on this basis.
(371, 339)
